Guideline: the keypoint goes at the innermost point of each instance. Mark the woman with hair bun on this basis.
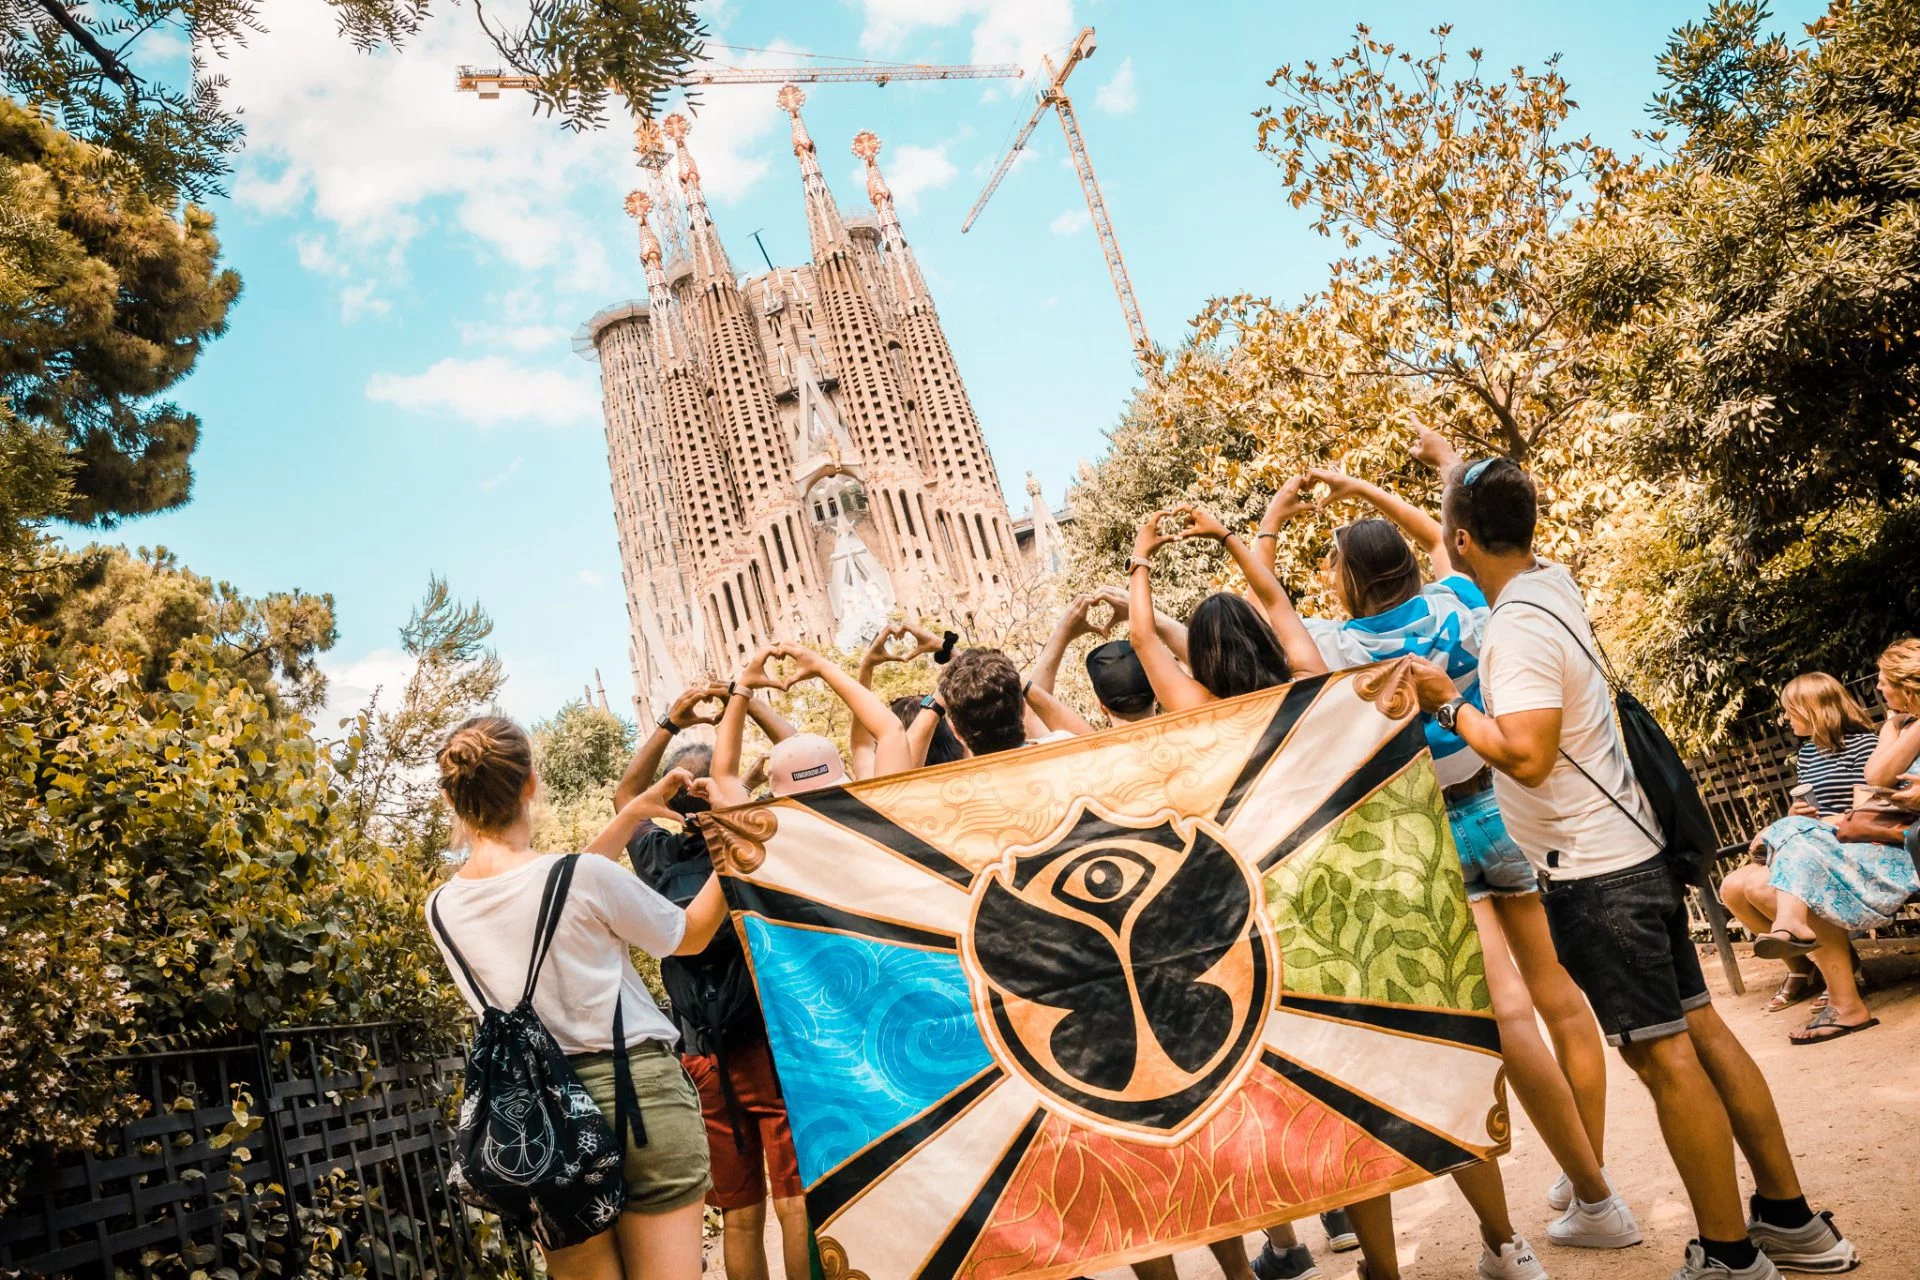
(487, 911)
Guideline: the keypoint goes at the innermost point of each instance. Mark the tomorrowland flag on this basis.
(1047, 1011)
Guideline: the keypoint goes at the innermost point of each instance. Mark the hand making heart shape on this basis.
(700, 704)
(761, 673)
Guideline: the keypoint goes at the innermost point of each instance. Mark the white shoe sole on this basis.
(1833, 1262)
(1618, 1240)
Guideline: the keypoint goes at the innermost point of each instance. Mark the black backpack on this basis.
(532, 1144)
(1687, 837)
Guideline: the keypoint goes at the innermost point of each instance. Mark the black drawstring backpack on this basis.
(1686, 836)
(532, 1144)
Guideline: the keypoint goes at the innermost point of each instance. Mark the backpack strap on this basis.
(466, 970)
(627, 1121)
(548, 923)
(1607, 675)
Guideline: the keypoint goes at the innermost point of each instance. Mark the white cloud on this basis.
(588, 578)
(513, 468)
(1070, 223)
(910, 170)
(489, 392)
(351, 685)
(362, 299)
(1017, 31)
(514, 337)
(316, 256)
(1118, 95)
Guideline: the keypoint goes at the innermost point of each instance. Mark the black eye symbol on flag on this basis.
(1124, 971)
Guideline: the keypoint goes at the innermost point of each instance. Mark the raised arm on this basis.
(648, 805)
(1072, 625)
(1053, 713)
(890, 754)
(1172, 634)
(728, 736)
(682, 714)
(1287, 502)
(1172, 687)
(1415, 523)
(1303, 656)
(860, 743)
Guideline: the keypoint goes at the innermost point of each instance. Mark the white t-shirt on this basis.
(1528, 662)
(608, 911)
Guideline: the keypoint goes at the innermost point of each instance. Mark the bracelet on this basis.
(734, 690)
(666, 722)
(1026, 691)
(1135, 562)
(1265, 533)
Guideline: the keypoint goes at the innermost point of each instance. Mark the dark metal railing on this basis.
(304, 1151)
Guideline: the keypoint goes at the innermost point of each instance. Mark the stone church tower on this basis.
(793, 455)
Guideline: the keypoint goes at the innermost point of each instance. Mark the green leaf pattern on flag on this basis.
(1374, 907)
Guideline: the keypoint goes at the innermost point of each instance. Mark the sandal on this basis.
(1825, 1026)
(1796, 988)
(1778, 944)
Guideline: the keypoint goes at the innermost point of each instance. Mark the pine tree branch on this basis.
(110, 66)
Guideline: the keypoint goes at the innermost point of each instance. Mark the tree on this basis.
(1764, 288)
(176, 139)
(1759, 297)
(145, 606)
(106, 298)
(1449, 195)
(580, 752)
(385, 764)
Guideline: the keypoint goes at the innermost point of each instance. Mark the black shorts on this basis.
(1623, 938)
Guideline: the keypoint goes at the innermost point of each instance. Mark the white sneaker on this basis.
(1514, 1261)
(1560, 1194)
(1817, 1246)
(1697, 1267)
(1607, 1225)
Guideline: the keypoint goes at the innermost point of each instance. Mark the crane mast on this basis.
(488, 82)
(1053, 94)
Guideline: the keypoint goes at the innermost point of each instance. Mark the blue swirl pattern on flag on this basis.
(884, 1032)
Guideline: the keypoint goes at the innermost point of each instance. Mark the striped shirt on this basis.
(1834, 776)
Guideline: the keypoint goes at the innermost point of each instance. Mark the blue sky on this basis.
(397, 395)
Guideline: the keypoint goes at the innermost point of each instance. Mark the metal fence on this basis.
(306, 1151)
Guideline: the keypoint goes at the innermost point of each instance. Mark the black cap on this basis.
(1119, 681)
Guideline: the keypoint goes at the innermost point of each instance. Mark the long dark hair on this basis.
(1376, 565)
(1232, 649)
(944, 746)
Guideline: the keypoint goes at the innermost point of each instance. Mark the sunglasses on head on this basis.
(1475, 471)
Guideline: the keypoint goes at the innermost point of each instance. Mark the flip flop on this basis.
(1779, 945)
(1832, 1028)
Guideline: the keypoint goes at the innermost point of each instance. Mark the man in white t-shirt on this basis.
(1617, 912)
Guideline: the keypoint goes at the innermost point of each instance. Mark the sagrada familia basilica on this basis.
(793, 454)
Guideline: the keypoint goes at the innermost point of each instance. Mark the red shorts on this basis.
(741, 1178)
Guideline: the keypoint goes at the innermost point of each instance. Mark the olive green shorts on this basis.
(670, 1172)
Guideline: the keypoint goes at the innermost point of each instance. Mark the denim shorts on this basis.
(1490, 862)
(1623, 939)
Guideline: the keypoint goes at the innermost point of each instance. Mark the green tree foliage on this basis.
(106, 298)
(385, 763)
(1761, 298)
(173, 866)
(580, 752)
(145, 605)
(177, 138)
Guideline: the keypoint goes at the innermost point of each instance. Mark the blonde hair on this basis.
(1900, 664)
(1826, 707)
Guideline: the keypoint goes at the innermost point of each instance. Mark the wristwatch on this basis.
(1135, 562)
(931, 703)
(1448, 714)
(666, 722)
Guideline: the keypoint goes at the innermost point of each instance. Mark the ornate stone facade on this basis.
(793, 455)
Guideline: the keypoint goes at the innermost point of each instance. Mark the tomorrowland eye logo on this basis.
(1126, 972)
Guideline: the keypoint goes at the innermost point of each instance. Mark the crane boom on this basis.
(489, 81)
(1103, 228)
(1053, 93)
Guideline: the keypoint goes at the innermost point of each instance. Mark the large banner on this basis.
(1043, 1012)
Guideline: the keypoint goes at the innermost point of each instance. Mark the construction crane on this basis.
(489, 81)
(1053, 93)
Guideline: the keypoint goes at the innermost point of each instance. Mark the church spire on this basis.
(709, 255)
(906, 272)
(669, 344)
(824, 228)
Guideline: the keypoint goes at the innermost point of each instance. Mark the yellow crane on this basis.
(1052, 93)
(488, 82)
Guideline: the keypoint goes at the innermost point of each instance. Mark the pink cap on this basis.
(804, 762)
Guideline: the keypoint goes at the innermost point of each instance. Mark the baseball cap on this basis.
(1119, 681)
(804, 762)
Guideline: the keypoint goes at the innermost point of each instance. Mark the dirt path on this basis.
(1852, 1115)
